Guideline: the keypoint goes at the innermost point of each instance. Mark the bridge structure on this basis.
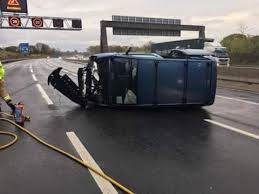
(143, 26)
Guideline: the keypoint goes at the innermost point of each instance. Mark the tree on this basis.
(147, 47)
(93, 50)
(12, 49)
(33, 50)
(242, 28)
(242, 48)
(255, 49)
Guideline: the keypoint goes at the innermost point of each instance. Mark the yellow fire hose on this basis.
(84, 164)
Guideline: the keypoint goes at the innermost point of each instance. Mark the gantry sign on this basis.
(14, 15)
(144, 26)
(39, 23)
(17, 6)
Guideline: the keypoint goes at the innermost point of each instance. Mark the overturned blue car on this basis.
(131, 79)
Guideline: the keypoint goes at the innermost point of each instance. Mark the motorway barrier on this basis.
(248, 75)
(12, 60)
(5, 61)
(239, 78)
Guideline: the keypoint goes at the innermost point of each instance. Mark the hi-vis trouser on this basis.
(3, 92)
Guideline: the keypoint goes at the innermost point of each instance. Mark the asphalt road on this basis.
(213, 150)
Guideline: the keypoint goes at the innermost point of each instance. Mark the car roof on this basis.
(194, 52)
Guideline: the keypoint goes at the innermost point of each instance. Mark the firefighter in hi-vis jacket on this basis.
(3, 92)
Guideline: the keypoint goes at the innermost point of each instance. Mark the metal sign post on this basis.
(144, 26)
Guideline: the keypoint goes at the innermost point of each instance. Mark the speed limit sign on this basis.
(37, 22)
(14, 21)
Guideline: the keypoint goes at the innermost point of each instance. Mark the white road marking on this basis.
(44, 95)
(34, 77)
(41, 90)
(31, 68)
(105, 186)
(233, 129)
(238, 100)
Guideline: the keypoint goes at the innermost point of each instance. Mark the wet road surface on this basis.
(210, 150)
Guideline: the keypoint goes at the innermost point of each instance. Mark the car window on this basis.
(178, 55)
(173, 54)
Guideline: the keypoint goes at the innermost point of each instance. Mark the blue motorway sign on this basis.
(24, 48)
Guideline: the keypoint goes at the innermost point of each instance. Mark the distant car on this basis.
(185, 77)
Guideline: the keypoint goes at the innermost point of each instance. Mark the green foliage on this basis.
(12, 49)
(242, 49)
(8, 55)
(93, 50)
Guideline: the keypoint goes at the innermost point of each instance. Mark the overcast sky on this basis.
(221, 17)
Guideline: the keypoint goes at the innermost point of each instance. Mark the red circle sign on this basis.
(37, 22)
(14, 21)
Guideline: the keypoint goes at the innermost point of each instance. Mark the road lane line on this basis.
(40, 88)
(44, 95)
(238, 100)
(31, 68)
(34, 77)
(233, 129)
(105, 186)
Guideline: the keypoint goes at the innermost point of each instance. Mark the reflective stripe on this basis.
(2, 71)
(7, 98)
